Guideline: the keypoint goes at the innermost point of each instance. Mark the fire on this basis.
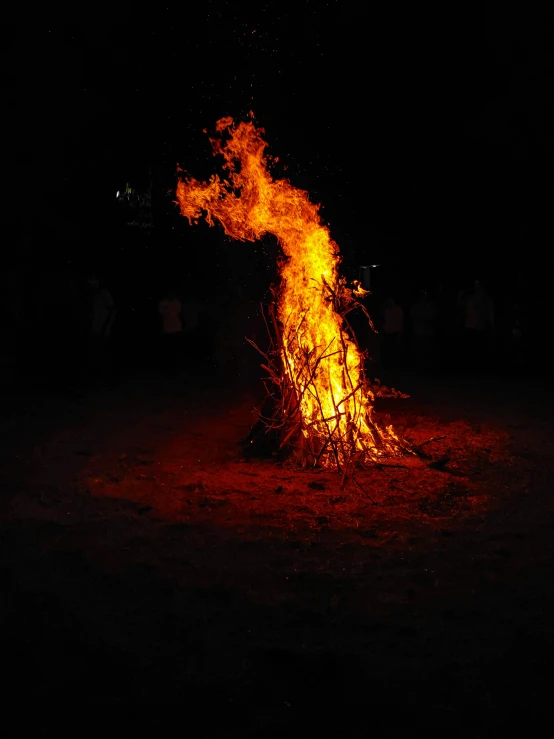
(326, 406)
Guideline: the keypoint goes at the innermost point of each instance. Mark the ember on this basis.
(323, 408)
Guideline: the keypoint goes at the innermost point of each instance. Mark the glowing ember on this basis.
(325, 403)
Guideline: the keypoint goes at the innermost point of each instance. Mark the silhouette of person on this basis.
(423, 315)
(241, 318)
(518, 332)
(447, 325)
(170, 310)
(478, 312)
(393, 325)
(101, 314)
(193, 327)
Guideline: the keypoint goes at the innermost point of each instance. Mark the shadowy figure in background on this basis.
(209, 318)
(236, 358)
(172, 333)
(393, 326)
(447, 327)
(101, 313)
(518, 336)
(193, 330)
(424, 315)
(19, 296)
(8, 326)
(478, 317)
(62, 296)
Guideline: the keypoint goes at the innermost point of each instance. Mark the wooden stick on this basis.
(364, 491)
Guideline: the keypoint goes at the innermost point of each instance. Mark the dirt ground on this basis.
(144, 561)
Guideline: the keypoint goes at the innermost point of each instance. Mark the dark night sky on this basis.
(414, 129)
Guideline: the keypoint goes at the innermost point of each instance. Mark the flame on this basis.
(321, 364)
(358, 290)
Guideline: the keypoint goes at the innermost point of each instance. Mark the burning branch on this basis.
(322, 403)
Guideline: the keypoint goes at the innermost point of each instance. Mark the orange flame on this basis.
(319, 360)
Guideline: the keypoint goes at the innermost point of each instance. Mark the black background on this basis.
(425, 135)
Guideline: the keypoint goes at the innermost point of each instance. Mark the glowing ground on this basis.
(144, 560)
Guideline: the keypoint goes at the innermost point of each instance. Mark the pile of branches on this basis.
(344, 441)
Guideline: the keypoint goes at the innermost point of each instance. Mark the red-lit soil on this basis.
(145, 560)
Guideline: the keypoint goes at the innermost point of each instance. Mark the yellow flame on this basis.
(321, 362)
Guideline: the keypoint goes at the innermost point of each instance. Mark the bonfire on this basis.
(322, 405)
